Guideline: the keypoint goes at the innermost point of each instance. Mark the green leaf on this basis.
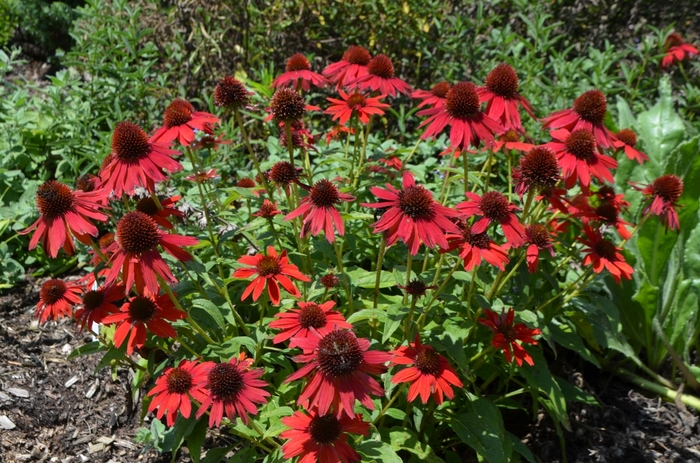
(482, 429)
(196, 439)
(625, 118)
(367, 314)
(541, 379)
(575, 393)
(394, 316)
(212, 310)
(378, 452)
(87, 349)
(521, 448)
(405, 439)
(566, 337)
(366, 279)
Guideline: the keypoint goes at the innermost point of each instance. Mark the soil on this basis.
(61, 410)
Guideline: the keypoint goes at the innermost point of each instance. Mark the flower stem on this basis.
(410, 155)
(389, 404)
(189, 319)
(409, 264)
(380, 260)
(339, 258)
(244, 134)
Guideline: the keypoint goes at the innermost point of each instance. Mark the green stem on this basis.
(177, 304)
(339, 258)
(409, 264)
(410, 155)
(391, 401)
(508, 277)
(380, 261)
(689, 400)
(244, 134)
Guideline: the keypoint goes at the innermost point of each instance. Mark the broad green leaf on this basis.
(378, 452)
(541, 379)
(566, 337)
(212, 310)
(366, 279)
(196, 439)
(481, 428)
(87, 349)
(521, 448)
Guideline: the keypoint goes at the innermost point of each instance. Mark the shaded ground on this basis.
(61, 411)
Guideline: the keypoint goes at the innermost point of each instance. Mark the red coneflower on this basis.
(288, 106)
(97, 304)
(141, 314)
(469, 126)
(339, 364)
(539, 239)
(87, 183)
(412, 215)
(626, 139)
(319, 212)
(209, 174)
(506, 334)
(588, 112)
(209, 141)
(283, 173)
(475, 247)
(676, 50)
(232, 388)
(149, 207)
(56, 300)
(334, 133)
(664, 193)
(64, 214)
(299, 74)
(537, 169)
(136, 161)
(579, 158)
(556, 197)
(268, 210)
(603, 254)
(511, 141)
(103, 243)
(355, 104)
(430, 372)
(297, 323)
(231, 93)
(606, 213)
(434, 97)
(174, 387)
(272, 270)
(136, 254)
(317, 438)
(352, 66)
(502, 98)
(380, 77)
(416, 288)
(607, 194)
(180, 121)
(494, 207)
(330, 280)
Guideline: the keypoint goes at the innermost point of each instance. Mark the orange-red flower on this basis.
(319, 212)
(355, 104)
(174, 387)
(56, 300)
(430, 372)
(136, 161)
(434, 97)
(580, 159)
(627, 139)
(272, 270)
(97, 304)
(339, 364)
(380, 77)
(475, 247)
(318, 438)
(135, 253)
(298, 323)
(209, 174)
(603, 254)
(180, 121)
(538, 169)
(268, 210)
(149, 207)
(494, 207)
(664, 193)
(65, 214)
(141, 314)
(676, 50)
(506, 334)
(588, 112)
(299, 75)
(412, 215)
(352, 66)
(468, 125)
(502, 98)
(511, 141)
(232, 388)
(539, 239)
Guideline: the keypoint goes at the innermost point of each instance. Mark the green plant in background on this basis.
(8, 22)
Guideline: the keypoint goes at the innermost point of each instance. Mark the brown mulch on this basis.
(62, 411)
